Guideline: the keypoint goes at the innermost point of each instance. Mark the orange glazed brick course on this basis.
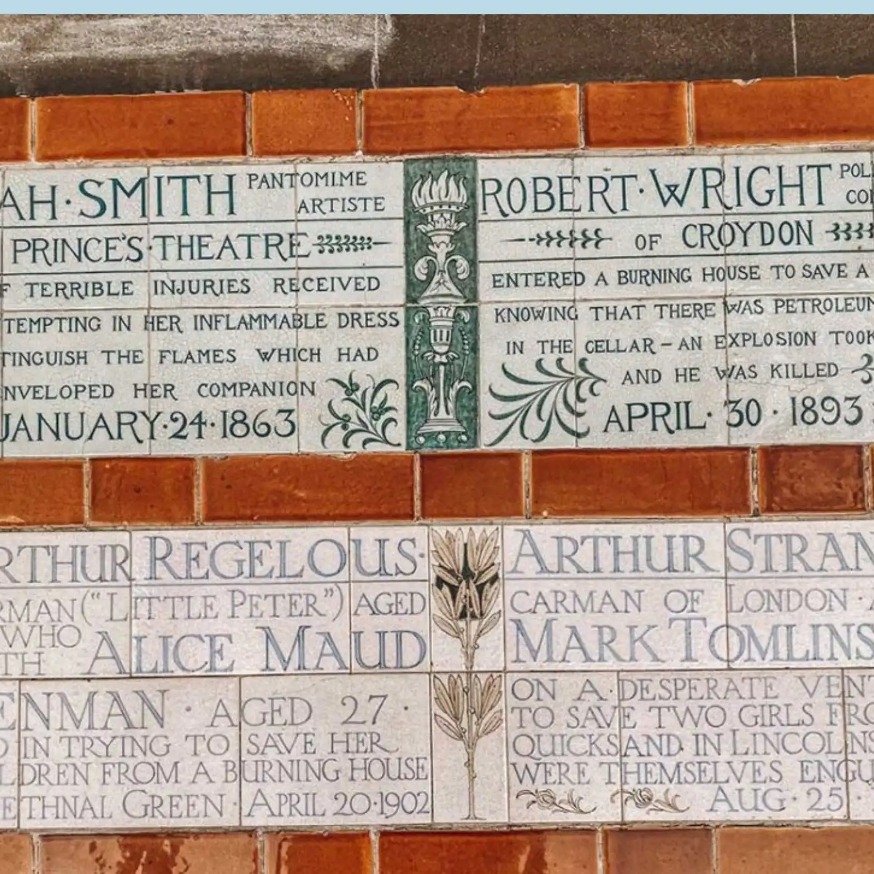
(654, 482)
(304, 122)
(142, 490)
(144, 126)
(471, 485)
(16, 854)
(308, 487)
(224, 853)
(808, 110)
(795, 850)
(658, 851)
(14, 129)
(409, 120)
(568, 852)
(342, 853)
(42, 492)
(811, 479)
(638, 114)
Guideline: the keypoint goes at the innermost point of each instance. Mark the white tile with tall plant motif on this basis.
(466, 598)
(469, 747)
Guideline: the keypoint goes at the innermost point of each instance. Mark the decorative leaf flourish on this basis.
(851, 231)
(465, 598)
(566, 239)
(362, 414)
(558, 399)
(334, 244)
(866, 368)
(546, 799)
(644, 798)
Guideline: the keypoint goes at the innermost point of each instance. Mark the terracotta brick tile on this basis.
(805, 110)
(811, 479)
(796, 850)
(308, 487)
(470, 485)
(557, 852)
(341, 853)
(141, 126)
(220, 853)
(398, 120)
(142, 490)
(16, 854)
(658, 851)
(14, 129)
(636, 114)
(648, 482)
(42, 493)
(319, 122)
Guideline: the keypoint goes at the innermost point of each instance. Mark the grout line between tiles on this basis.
(755, 509)
(86, 492)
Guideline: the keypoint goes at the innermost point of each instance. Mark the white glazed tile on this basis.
(389, 599)
(642, 209)
(466, 598)
(756, 746)
(470, 777)
(799, 367)
(859, 726)
(222, 235)
(129, 753)
(75, 238)
(652, 370)
(65, 604)
(798, 222)
(75, 383)
(350, 224)
(351, 190)
(352, 382)
(563, 748)
(335, 751)
(230, 381)
(240, 602)
(799, 594)
(528, 375)
(526, 216)
(610, 597)
(9, 754)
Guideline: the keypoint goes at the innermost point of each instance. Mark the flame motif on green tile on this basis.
(442, 326)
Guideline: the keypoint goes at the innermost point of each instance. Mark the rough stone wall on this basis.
(94, 54)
